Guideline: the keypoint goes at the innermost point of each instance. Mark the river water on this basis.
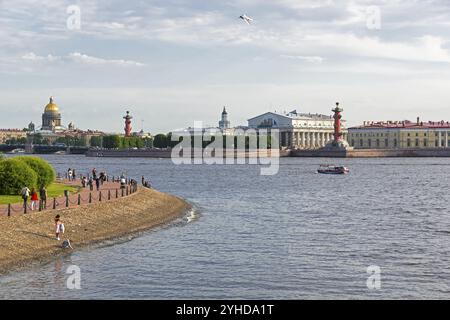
(295, 235)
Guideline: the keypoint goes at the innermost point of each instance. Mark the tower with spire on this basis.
(224, 123)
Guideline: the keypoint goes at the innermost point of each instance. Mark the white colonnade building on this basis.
(298, 130)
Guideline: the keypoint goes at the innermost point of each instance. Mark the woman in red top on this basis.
(34, 200)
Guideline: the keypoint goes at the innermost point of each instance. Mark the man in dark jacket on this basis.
(43, 196)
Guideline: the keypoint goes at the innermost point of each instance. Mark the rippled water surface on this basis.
(289, 236)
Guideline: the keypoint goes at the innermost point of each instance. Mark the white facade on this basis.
(298, 130)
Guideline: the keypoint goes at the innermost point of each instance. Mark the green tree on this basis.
(124, 143)
(96, 141)
(148, 142)
(14, 175)
(72, 141)
(140, 143)
(82, 142)
(11, 141)
(160, 141)
(173, 140)
(61, 140)
(37, 138)
(112, 142)
(45, 172)
(133, 142)
(22, 140)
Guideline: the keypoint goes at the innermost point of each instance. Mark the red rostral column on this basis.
(128, 124)
(337, 122)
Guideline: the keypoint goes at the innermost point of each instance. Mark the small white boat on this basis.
(329, 169)
(16, 151)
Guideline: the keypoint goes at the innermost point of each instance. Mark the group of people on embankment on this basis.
(34, 197)
(37, 199)
(94, 178)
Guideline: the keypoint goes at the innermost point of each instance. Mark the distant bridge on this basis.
(45, 149)
(11, 147)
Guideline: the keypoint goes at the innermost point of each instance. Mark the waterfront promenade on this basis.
(109, 191)
(29, 238)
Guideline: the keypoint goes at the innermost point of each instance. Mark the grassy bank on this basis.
(54, 190)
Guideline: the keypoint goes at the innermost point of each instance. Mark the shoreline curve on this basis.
(28, 239)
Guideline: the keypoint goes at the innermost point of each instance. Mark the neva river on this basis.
(296, 235)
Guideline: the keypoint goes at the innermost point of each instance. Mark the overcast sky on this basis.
(173, 62)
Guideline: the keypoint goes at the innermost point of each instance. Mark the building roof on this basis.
(404, 125)
(301, 116)
(51, 107)
(12, 130)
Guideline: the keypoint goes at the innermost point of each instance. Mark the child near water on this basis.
(59, 226)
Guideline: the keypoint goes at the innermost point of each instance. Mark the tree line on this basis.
(119, 142)
(231, 142)
(161, 141)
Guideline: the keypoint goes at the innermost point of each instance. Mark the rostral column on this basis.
(337, 123)
(128, 124)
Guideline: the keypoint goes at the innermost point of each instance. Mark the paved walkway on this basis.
(109, 191)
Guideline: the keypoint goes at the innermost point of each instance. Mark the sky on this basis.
(173, 62)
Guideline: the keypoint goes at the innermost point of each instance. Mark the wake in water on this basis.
(191, 215)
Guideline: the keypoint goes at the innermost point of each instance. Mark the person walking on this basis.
(123, 182)
(97, 183)
(59, 227)
(143, 180)
(74, 175)
(91, 184)
(43, 196)
(34, 200)
(94, 173)
(25, 195)
(69, 174)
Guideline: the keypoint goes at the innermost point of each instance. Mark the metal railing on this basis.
(74, 200)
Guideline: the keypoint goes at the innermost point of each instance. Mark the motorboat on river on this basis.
(330, 169)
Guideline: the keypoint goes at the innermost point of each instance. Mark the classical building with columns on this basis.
(298, 130)
(400, 135)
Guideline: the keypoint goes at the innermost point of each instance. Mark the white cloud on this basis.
(31, 56)
(311, 59)
(81, 58)
(427, 48)
(307, 4)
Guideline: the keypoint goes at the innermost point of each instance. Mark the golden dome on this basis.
(51, 107)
